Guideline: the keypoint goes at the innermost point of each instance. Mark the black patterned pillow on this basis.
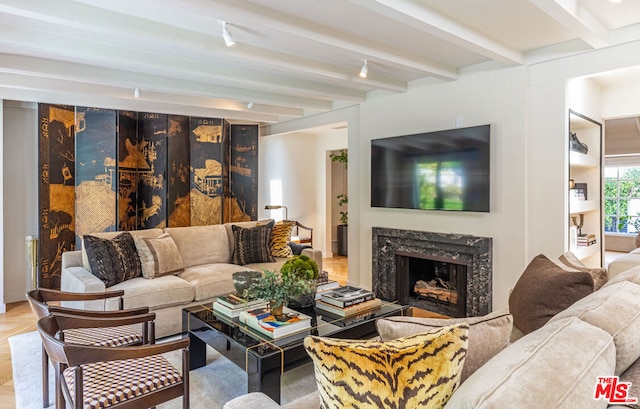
(113, 261)
(252, 244)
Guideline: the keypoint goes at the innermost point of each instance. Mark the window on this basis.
(622, 199)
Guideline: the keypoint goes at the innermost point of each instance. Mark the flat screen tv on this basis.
(443, 170)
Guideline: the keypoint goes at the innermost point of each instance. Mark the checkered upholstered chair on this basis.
(122, 377)
(137, 333)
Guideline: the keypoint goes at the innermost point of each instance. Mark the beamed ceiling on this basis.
(291, 58)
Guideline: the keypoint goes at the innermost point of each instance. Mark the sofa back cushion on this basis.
(151, 233)
(200, 245)
(556, 366)
(614, 309)
(488, 335)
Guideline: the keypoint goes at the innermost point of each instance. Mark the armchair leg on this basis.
(185, 378)
(45, 378)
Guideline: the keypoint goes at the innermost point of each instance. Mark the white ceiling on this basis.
(292, 57)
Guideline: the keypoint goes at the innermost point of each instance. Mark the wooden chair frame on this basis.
(40, 297)
(65, 355)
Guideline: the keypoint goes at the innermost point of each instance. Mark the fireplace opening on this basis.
(432, 283)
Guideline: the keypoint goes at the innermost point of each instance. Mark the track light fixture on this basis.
(226, 35)
(250, 105)
(136, 93)
(364, 70)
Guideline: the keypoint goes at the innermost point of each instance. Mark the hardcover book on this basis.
(234, 301)
(233, 312)
(260, 319)
(348, 311)
(346, 296)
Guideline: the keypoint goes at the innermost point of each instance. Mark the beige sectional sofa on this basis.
(206, 253)
(555, 366)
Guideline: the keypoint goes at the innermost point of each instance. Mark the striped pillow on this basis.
(158, 256)
(418, 371)
(252, 244)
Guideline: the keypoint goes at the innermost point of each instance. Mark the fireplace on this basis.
(446, 273)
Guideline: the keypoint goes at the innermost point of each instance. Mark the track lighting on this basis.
(364, 70)
(250, 105)
(226, 35)
(136, 93)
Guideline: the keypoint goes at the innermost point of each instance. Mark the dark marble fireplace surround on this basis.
(475, 252)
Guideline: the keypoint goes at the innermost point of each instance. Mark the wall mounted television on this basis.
(443, 170)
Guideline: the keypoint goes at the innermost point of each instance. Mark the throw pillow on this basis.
(599, 274)
(421, 370)
(158, 256)
(252, 244)
(543, 290)
(488, 335)
(113, 261)
(280, 237)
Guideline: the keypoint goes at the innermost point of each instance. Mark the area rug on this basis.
(210, 386)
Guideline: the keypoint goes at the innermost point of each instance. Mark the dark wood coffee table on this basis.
(264, 359)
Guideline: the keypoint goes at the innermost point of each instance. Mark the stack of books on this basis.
(347, 301)
(586, 240)
(232, 305)
(262, 321)
(325, 286)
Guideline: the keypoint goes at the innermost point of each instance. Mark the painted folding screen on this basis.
(243, 199)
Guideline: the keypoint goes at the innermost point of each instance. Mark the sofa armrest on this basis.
(253, 400)
(80, 280)
(314, 254)
(72, 259)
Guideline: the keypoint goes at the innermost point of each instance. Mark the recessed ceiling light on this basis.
(136, 93)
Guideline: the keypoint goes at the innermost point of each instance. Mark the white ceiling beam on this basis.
(51, 69)
(577, 19)
(196, 13)
(59, 46)
(421, 17)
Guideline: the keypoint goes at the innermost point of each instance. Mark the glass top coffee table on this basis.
(265, 359)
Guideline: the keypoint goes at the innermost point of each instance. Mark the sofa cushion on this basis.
(158, 293)
(112, 234)
(158, 256)
(632, 275)
(210, 280)
(543, 290)
(554, 367)
(200, 245)
(113, 260)
(488, 335)
(421, 370)
(571, 262)
(614, 309)
(252, 244)
(632, 376)
(280, 238)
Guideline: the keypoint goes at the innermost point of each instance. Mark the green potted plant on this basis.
(304, 269)
(343, 201)
(277, 289)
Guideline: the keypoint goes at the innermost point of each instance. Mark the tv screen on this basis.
(443, 170)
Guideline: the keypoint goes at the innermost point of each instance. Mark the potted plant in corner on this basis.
(304, 269)
(277, 289)
(343, 202)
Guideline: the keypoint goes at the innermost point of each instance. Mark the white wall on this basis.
(497, 98)
(3, 302)
(299, 162)
(20, 179)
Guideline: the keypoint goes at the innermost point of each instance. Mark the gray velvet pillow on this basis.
(488, 334)
(543, 290)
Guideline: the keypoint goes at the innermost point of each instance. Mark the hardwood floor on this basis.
(19, 319)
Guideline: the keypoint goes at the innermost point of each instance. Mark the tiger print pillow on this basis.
(418, 371)
(280, 238)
